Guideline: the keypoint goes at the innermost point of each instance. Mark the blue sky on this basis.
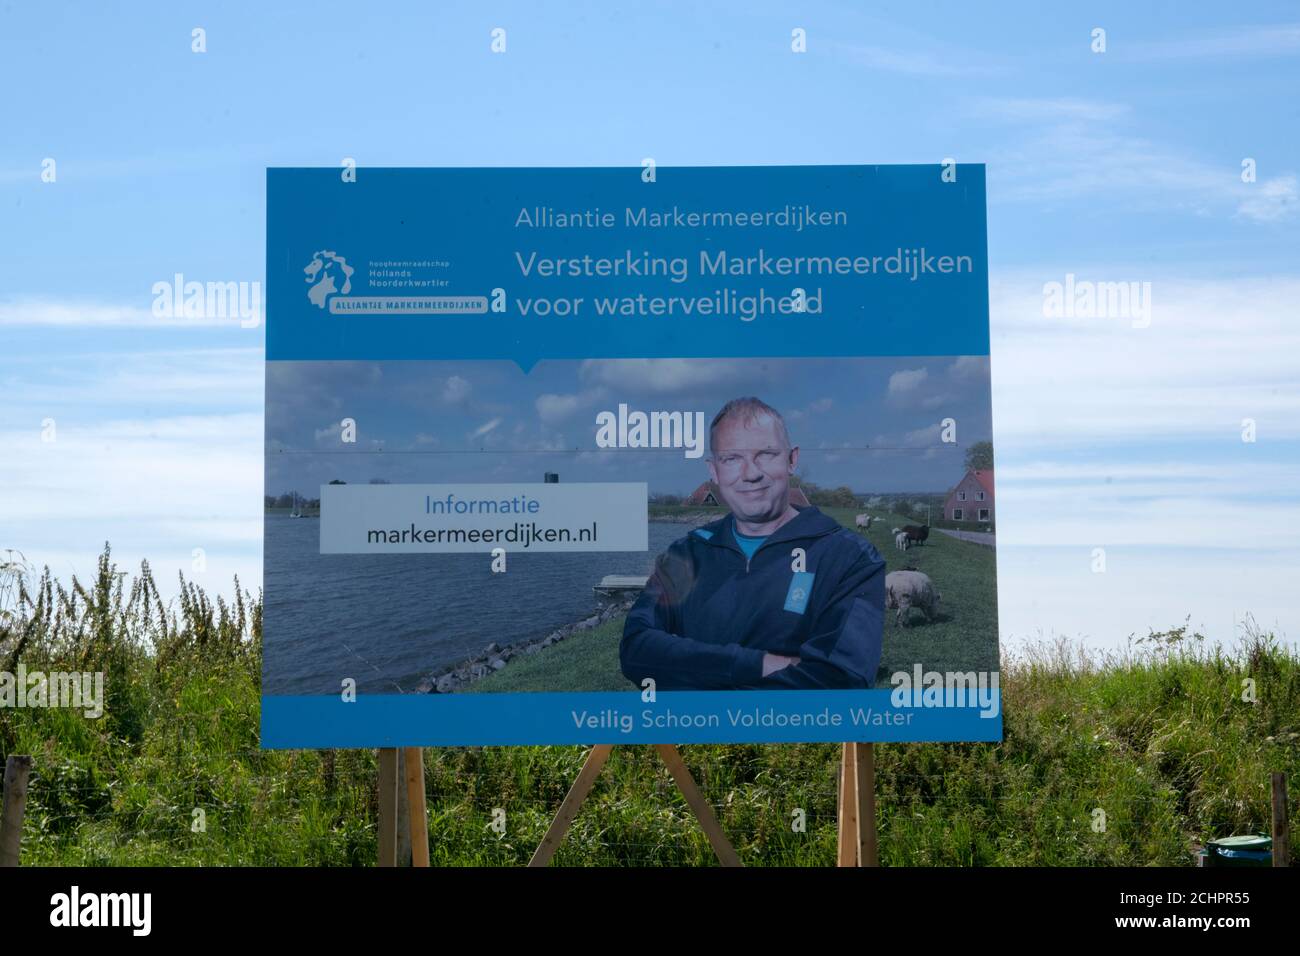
(1115, 166)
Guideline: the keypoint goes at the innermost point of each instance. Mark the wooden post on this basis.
(387, 806)
(17, 770)
(857, 812)
(868, 850)
(402, 828)
(1281, 833)
(569, 807)
(418, 812)
(848, 817)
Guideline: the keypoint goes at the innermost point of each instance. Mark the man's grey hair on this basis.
(748, 410)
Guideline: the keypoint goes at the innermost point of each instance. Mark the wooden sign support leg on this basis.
(403, 812)
(587, 777)
(572, 801)
(1281, 829)
(722, 847)
(848, 819)
(413, 758)
(868, 847)
(388, 806)
(857, 816)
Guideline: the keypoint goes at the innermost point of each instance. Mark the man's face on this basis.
(751, 466)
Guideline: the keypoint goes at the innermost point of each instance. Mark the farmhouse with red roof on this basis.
(972, 498)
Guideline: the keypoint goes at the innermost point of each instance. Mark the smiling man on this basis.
(771, 596)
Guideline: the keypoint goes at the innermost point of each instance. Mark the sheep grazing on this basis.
(900, 541)
(864, 522)
(905, 590)
(917, 533)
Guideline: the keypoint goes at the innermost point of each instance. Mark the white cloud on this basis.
(1276, 39)
(1117, 500)
(968, 368)
(73, 382)
(155, 488)
(1216, 351)
(1260, 478)
(556, 408)
(922, 437)
(1272, 200)
(455, 390)
(910, 59)
(156, 452)
(904, 383)
(485, 428)
(907, 388)
(913, 62)
(84, 312)
(1130, 440)
(1085, 148)
(1026, 109)
(553, 409)
(1045, 590)
(330, 434)
(662, 376)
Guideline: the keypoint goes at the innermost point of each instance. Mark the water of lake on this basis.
(389, 620)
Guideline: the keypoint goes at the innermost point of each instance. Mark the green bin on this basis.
(1250, 850)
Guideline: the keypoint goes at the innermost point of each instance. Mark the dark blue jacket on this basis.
(708, 614)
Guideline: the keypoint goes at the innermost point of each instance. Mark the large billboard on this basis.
(628, 455)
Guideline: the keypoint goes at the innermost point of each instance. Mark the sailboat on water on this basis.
(297, 509)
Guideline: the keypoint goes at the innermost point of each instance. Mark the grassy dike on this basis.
(1159, 739)
(959, 639)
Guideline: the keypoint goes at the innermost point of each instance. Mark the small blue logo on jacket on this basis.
(796, 599)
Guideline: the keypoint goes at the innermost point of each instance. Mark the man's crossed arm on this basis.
(843, 650)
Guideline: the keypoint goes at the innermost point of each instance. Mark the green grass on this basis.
(1159, 739)
(964, 635)
(585, 660)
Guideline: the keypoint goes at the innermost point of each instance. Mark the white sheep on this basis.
(900, 541)
(864, 522)
(911, 589)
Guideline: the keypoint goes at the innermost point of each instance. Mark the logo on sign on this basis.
(327, 274)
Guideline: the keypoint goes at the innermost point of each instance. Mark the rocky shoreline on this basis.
(495, 656)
